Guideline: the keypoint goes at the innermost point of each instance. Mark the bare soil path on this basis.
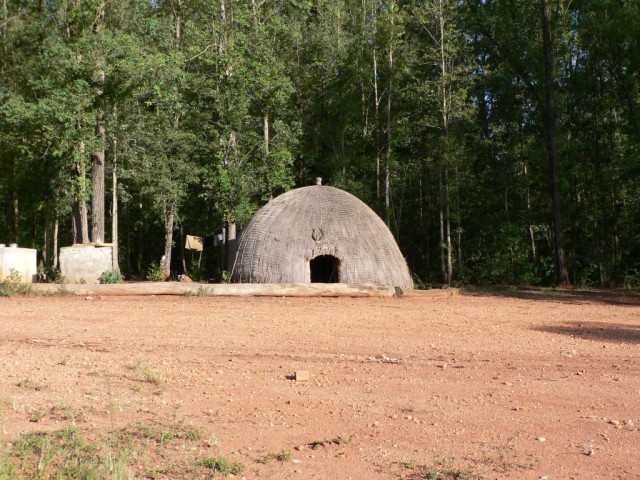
(488, 385)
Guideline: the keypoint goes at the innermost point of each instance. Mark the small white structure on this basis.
(22, 260)
(85, 263)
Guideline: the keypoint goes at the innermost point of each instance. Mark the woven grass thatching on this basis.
(322, 234)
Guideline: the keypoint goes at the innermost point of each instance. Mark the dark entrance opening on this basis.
(325, 269)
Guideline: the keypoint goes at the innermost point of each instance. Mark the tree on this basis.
(441, 78)
(562, 277)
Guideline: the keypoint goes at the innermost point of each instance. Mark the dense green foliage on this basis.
(431, 111)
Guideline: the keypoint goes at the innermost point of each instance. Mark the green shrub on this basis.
(222, 465)
(631, 279)
(110, 277)
(13, 284)
(155, 272)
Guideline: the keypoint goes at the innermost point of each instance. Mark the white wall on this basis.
(23, 260)
(85, 264)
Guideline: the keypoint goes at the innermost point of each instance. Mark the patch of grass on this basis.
(62, 455)
(70, 454)
(110, 277)
(30, 384)
(7, 402)
(163, 434)
(148, 373)
(504, 457)
(159, 435)
(13, 284)
(157, 472)
(282, 456)
(192, 435)
(7, 468)
(441, 470)
(37, 414)
(221, 465)
(60, 291)
(212, 441)
(64, 411)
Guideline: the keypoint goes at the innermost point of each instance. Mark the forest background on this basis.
(499, 139)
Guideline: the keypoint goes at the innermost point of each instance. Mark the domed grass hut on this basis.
(318, 234)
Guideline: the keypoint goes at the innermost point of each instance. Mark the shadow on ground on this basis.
(600, 331)
(620, 298)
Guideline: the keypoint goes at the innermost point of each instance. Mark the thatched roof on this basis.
(320, 232)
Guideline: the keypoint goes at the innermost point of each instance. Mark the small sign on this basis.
(193, 243)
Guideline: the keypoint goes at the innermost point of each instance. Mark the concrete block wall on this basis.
(23, 260)
(85, 263)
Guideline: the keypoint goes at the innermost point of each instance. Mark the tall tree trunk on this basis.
(376, 122)
(444, 92)
(265, 130)
(177, 17)
(79, 207)
(15, 202)
(5, 23)
(97, 182)
(361, 77)
(169, 220)
(223, 36)
(182, 249)
(447, 203)
(171, 209)
(387, 165)
(458, 220)
(98, 157)
(229, 227)
(114, 209)
(230, 246)
(5, 17)
(562, 276)
(532, 237)
(97, 179)
(46, 252)
(441, 202)
(80, 219)
(54, 260)
(140, 239)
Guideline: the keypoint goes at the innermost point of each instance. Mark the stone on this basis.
(302, 376)
(22, 260)
(85, 263)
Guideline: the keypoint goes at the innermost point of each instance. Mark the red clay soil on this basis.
(491, 385)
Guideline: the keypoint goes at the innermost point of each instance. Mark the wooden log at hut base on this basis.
(231, 289)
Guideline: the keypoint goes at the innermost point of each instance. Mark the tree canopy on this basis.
(498, 139)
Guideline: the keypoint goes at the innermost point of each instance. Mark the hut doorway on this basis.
(325, 269)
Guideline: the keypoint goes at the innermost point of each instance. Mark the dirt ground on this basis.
(491, 385)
